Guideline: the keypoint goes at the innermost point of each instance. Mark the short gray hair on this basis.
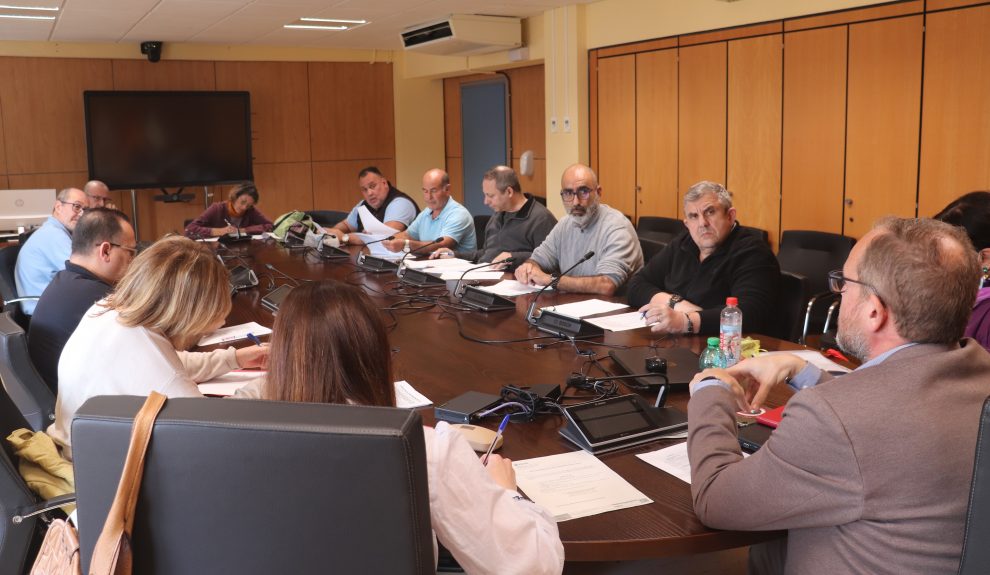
(704, 188)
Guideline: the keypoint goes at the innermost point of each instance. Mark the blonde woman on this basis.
(133, 342)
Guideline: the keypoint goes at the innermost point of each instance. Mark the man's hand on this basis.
(531, 274)
(501, 471)
(759, 374)
(252, 356)
(662, 319)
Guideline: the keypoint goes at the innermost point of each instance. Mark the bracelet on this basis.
(690, 324)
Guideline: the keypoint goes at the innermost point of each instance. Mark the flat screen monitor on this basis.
(168, 139)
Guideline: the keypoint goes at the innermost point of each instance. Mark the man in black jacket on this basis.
(683, 288)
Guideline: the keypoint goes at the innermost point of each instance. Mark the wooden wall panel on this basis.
(164, 75)
(279, 106)
(287, 186)
(43, 111)
(351, 111)
(754, 130)
(702, 115)
(883, 121)
(656, 133)
(955, 132)
(335, 184)
(616, 132)
(813, 167)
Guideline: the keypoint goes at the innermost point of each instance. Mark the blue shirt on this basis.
(41, 257)
(453, 222)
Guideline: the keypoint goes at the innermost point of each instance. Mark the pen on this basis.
(501, 428)
(254, 339)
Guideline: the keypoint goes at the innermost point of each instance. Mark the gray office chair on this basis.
(240, 486)
(976, 553)
(26, 387)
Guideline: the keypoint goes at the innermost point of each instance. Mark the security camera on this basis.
(152, 49)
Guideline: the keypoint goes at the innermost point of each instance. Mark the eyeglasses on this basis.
(837, 282)
(568, 194)
(133, 250)
(76, 206)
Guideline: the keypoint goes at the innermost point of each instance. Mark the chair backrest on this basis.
(23, 383)
(976, 553)
(327, 218)
(659, 228)
(813, 254)
(791, 305)
(650, 248)
(480, 224)
(15, 539)
(241, 486)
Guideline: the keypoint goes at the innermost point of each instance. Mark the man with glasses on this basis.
(869, 471)
(683, 288)
(384, 201)
(589, 226)
(103, 246)
(98, 194)
(443, 217)
(44, 253)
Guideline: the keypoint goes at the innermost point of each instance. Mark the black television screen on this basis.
(168, 139)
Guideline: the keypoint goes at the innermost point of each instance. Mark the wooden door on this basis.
(702, 116)
(656, 133)
(617, 132)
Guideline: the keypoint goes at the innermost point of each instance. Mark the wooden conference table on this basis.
(430, 353)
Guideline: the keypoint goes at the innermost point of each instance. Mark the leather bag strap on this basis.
(112, 554)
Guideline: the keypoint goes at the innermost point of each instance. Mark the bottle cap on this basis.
(713, 342)
(731, 301)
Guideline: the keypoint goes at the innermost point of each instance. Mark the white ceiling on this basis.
(256, 22)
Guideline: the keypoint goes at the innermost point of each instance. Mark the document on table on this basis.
(407, 397)
(511, 288)
(373, 225)
(619, 322)
(227, 384)
(575, 484)
(816, 359)
(233, 333)
(585, 308)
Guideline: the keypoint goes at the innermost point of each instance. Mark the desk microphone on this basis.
(272, 268)
(553, 283)
(457, 285)
(399, 270)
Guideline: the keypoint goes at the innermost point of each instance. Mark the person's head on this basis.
(972, 213)
(103, 243)
(243, 197)
(374, 186)
(501, 189)
(436, 189)
(97, 193)
(580, 192)
(69, 205)
(329, 345)
(907, 280)
(176, 287)
(708, 214)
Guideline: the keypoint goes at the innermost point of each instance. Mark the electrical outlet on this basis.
(553, 124)
(567, 124)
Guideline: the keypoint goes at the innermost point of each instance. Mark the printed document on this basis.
(585, 308)
(575, 484)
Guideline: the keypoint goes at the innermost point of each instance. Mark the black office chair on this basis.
(976, 553)
(240, 486)
(650, 248)
(8, 287)
(790, 306)
(327, 218)
(659, 229)
(27, 389)
(813, 254)
(480, 225)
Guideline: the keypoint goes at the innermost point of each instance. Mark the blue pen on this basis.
(501, 428)
(254, 339)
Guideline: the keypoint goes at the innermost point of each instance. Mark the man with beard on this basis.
(860, 483)
(683, 288)
(589, 226)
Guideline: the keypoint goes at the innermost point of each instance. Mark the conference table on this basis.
(432, 351)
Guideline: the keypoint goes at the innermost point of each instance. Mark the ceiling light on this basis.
(43, 8)
(336, 21)
(312, 27)
(20, 17)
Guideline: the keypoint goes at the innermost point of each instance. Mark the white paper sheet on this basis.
(234, 333)
(816, 359)
(373, 225)
(619, 322)
(511, 288)
(585, 308)
(407, 397)
(575, 484)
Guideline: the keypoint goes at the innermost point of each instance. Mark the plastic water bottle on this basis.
(712, 356)
(730, 332)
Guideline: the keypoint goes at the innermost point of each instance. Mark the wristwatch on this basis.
(673, 300)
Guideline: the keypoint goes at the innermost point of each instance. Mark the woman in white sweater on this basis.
(129, 344)
(330, 345)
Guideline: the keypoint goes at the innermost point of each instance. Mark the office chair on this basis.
(975, 552)
(25, 386)
(327, 218)
(480, 225)
(241, 486)
(813, 254)
(659, 229)
(790, 306)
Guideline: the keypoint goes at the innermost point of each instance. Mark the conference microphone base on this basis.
(483, 301)
(567, 327)
(375, 264)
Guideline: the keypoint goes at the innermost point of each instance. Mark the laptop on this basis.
(682, 365)
(25, 208)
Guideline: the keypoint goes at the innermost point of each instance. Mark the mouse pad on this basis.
(682, 364)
